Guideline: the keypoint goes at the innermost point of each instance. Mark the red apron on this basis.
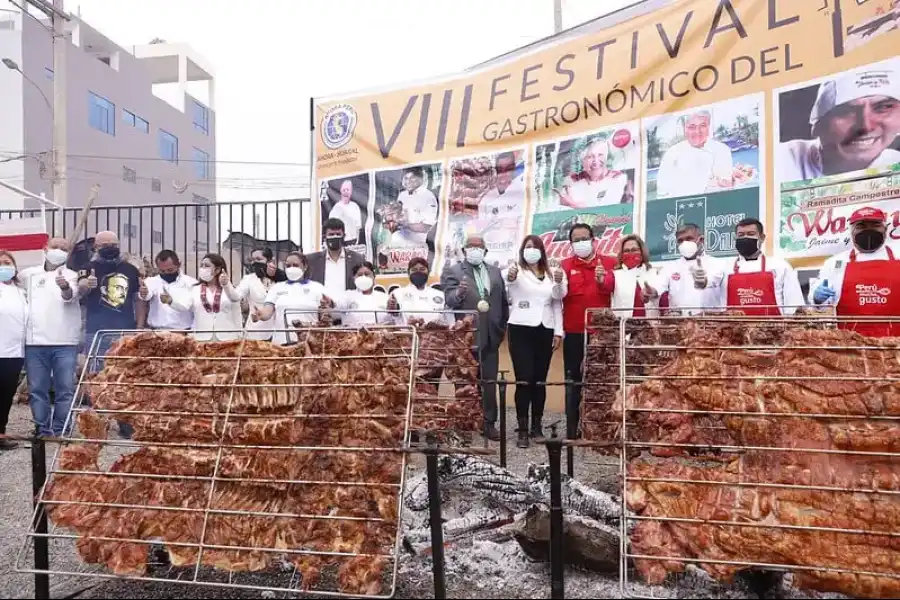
(753, 293)
(871, 289)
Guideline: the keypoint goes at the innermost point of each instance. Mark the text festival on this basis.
(724, 21)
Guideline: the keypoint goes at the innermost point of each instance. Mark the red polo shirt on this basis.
(584, 291)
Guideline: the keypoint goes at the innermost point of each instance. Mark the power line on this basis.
(160, 159)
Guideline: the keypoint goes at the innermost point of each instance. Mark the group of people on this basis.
(540, 306)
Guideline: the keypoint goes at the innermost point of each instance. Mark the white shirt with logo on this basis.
(13, 320)
(358, 309)
(687, 171)
(508, 205)
(677, 278)
(52, 320)
(534, 302)
(787, 285)
(162, 316)
(294, 302)
(427, 304)
(254, 290)
(605, 192)
(833, 269)
(799, 160)
(351, 215)
(421, 206)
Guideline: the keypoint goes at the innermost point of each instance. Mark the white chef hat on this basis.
(853, 86)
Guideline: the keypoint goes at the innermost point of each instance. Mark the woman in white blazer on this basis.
(215, 303)
(636, 283)
(535, 331)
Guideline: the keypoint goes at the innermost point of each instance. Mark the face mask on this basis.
(364, 283)
(418, 278)
(206, 274)
(869, 240)
(109, 252)
(259, 269)
(7, 272)
(294, 273)
(56, 257)
(688, 249)
(746, 246)
(632, 261)
(169, 277)
(334, 243)
(583, 248)
(475, 256)
(531, 255)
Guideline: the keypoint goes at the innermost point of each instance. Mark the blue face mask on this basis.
(7, 272)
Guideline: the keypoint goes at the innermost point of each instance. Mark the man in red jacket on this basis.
(584, 287)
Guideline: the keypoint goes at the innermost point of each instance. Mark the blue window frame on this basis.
(168, 146)
(201, 117)
(101, 114)
(201, 164)
(129, 118)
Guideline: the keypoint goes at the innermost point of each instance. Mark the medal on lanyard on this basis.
(483, 305)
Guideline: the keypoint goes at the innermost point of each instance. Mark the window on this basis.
(155, 185)
(102, 114)
(168, 146)
(131, 231)
(48, 73)
(201, 117)
(201, 246)
(201, 211)
(129, 175)
(105, 60)
(201, 164)
(129, 118)
(157, 237)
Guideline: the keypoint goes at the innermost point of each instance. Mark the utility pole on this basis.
(60, 106)
(557, 16)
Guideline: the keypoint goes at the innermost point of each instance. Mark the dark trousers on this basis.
(488, 369)
(531, 350)
(573, 357)
(10, 369)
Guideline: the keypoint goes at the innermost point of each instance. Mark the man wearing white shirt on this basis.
(52, 337)
(696, 165)
(507, 198)
(693, 280)
(156, 291)
(348, 212)
(855, 120)
(757, 284)
(420, 210)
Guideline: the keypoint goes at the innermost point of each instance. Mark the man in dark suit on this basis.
(475, 285)
(333, 267)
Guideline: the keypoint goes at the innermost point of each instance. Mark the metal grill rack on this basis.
(752, 444)
(251, 466)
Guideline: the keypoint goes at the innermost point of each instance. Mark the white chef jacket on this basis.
(225, 325)
(425, 304)
(627, 281)
(533, 301)
(799, 160)
(254, 290)
(351, 215)
(301, 299)
(685, 170)
(606, 192)
(358, 309)
(833, 269)
(787, 284)
(508, 205)
(420, 207)
(52, 320)
(161, 316)
(677, 279)
(13, 320)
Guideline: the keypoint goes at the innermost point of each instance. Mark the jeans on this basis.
(95, 363)
(43, 365)
(573, 357)
(531, 350)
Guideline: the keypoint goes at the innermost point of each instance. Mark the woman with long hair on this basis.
(535, 331)
(215, 302)
(13, 320)
(635, 286)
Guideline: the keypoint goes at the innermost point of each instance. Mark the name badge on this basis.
(524, 304)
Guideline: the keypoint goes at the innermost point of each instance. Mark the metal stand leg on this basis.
(557, 556)
(437, 525)
(501, 387)
(41, 543)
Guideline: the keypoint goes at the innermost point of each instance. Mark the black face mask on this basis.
(334, 243)
(168, 277)
(418, 278)
(109, 253)
(260, 269)
(746, 246)
(869, 240)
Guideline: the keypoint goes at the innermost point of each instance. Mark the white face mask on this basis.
(688, 249)
(583, 248)
(364, 283)
(475, 256)
(56, 257)
(294, 273)
(206, 274)
(531, 255)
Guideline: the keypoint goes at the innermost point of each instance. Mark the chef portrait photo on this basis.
(846, 123)
(704, 150)
(406, 214)
(487, 198)
(347, 199)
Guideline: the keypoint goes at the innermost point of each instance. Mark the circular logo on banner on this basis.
(338, 125)
(621, 138)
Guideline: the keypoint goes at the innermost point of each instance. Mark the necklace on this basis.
(217, 299)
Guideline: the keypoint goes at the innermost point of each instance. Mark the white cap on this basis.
(853, 86)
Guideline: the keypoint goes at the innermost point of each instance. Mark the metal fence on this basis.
(233, 229)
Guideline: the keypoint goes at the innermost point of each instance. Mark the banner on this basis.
(626, 123)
